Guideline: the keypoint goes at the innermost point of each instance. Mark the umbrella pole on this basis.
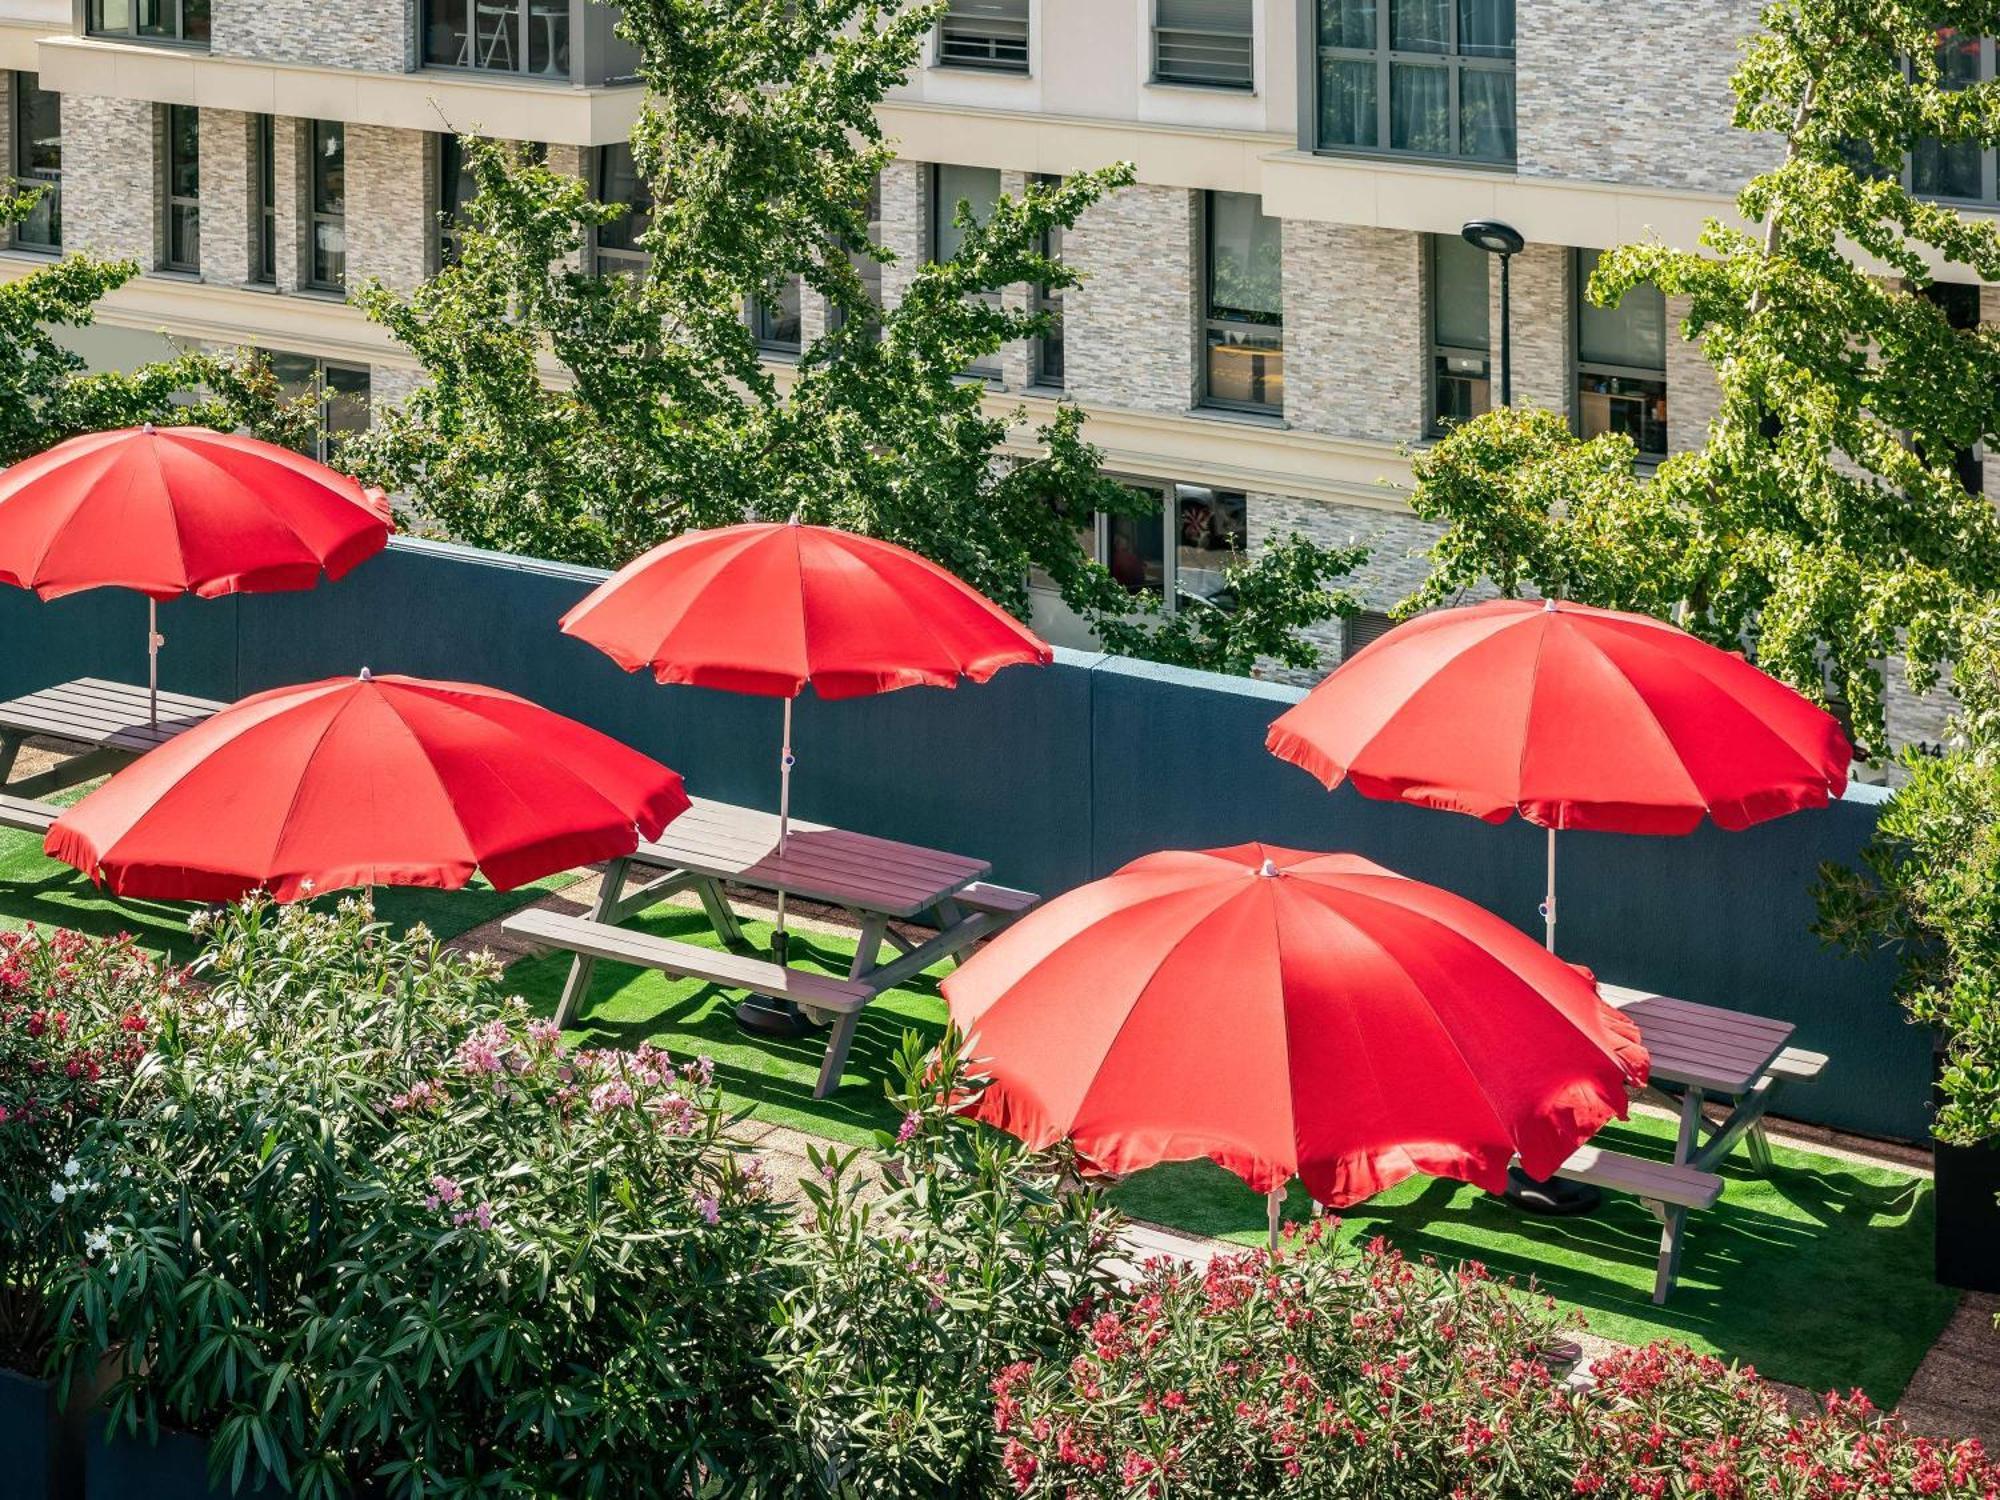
(779, 941)
(1549, 901)
(153, 658)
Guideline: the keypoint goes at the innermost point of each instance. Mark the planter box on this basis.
(1968, 1216)
(31, 1440)
(128, 1467)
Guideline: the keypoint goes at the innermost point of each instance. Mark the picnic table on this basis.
(880, 883)
(108, 721)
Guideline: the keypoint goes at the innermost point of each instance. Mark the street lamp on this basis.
(1505, 241)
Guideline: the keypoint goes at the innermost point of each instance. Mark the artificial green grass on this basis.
(35, 888)
(1818, 1274)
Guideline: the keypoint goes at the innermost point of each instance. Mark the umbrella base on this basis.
(1555, 1197)
(768, 1017)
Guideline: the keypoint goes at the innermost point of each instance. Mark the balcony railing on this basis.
(567, 41)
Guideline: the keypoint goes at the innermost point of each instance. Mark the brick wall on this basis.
(392, 194)
(1355, 341)
(905, 225)
(229, 216)
(290, 139)
(1129, 330)
(111, 177)
(376, 35)
(1542, 290)
(1634, 91)
(1693, 397)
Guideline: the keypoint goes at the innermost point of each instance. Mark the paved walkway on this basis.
(1955, 1392)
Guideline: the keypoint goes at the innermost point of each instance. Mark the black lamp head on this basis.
(1494, 237)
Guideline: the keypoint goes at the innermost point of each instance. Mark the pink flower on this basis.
(443, 1191)
(708, 1208)
(544, 1033)
(614, 1094)
(912, 1123)
(424, 1094)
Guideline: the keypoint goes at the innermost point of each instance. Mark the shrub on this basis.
(378, 1228)
(926, 1265)
(76, 1017)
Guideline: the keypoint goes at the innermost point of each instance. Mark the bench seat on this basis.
(1666, 1189)
(26, 814)
(996, 900)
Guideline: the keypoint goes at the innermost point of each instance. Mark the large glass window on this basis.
(1417, 77)
(1180, 545)
(619, 251)
(499, 36)
(1206, 43)
(182, 250)
(978, 188)
(774, 319)
(149, 20)
(1621, 363)
(1244, 333)
(1956, 169)
(1046, 358)
(1461, 332)
(38, 161)
(339, 391)
(329, 205)
(990, 34)
(265, 143)
(1959, 302)
(866, 266)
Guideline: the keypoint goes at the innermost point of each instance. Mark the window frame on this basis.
(324, 447)
(130, 32)
(1159, 76)
(18, 169)
(1210, 323)
(173, 204)
(757, 314)
(1170, 494)
(1045, 373)
(942, 217)
(617, 260)
(1989, 171)
(1439, 351)
(992, 62)
(264, 192)
(315, 215)
(1386, 58)
(519, 36)
(1610, 370)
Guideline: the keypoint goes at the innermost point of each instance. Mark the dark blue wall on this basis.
(1058, 776)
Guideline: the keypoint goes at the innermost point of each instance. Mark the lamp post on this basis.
(1505, 241)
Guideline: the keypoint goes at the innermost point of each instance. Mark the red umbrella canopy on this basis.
(175, 510)
(766, 608)
(366, 781)
(1573, 717)
(1290, 1015)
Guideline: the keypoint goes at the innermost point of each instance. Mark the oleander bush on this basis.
(77, 1016)
(380, 1231)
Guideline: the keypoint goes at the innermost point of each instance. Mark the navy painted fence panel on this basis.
(1058, 776)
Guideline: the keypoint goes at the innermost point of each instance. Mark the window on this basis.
(978, 188)
(1959, 302)
(1417, 77)
(1358, 631)
(38, 161)
(1621, 363)
(265, 141)
(619, 251)
(774, 319)
(1461, 334)
(329, 205)
(1045, 358)
(182, 248)
(866, 266)
(1183, 544)
(456, 188)
(1203, 42)
(341, 392)
(150, 20)
(1244, 333)
(990, 34)
(1955, 169)
(499, 36)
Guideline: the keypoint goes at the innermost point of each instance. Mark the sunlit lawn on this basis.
(1818, 1274)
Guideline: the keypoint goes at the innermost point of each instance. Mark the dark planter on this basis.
(1968, 1216)
(31, 1445)
(127, 1467)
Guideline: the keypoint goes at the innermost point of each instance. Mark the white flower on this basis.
(126, 1170)
(97, 1241)
(57, 1192)
(72, 1167)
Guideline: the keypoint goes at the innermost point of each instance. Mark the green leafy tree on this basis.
(1824, 521)
(46, 395)
(588, 417)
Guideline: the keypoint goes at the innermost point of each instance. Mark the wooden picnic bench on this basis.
(27, 815)
(108, 720)
(881, 884)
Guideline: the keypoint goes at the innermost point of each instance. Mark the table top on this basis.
(109, 715)
(854, 870)
(1703, 1046)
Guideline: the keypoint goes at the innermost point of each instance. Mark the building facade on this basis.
(1277, 312)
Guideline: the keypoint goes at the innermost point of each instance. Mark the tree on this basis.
(46, 396)
(588, 417)
(1824, 523)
